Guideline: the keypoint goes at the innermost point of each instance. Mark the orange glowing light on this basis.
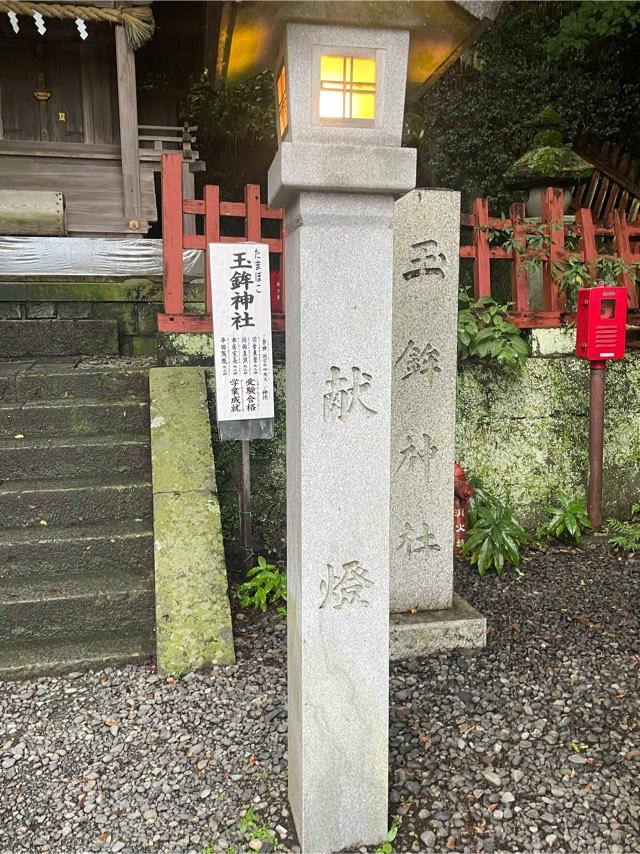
(283, 102)
(347, 87)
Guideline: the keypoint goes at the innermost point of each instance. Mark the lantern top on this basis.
(549, 162)
(250, 32)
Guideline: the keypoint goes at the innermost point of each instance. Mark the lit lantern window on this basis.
(347, 88)
(283, 103)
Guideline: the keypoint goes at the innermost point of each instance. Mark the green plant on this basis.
(470, 135)
(485, 333)
(252, 826)
(589, 24)
(495, 537)
(572, 273)
(236, 129)
(568, 519)
(387, 845)
(266, 584)
(626, 535)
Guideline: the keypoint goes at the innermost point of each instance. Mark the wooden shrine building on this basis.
(88, 103)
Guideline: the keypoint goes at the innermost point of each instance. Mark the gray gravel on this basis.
(125, 760)
(530, 745)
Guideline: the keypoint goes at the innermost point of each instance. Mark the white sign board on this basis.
(241, 302)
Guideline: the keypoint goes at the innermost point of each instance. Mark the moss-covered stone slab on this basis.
(20, 338)
(181, 431)
(185, 348)
(553, 342)
(143, 345)
(193, 617)
(148, 317)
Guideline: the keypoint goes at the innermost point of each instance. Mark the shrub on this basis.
(266, 584)
(495, 538)
(626, 535)
(568, 519)
(484, 332)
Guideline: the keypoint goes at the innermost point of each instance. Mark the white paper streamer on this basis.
(40, 26)
(82, 28)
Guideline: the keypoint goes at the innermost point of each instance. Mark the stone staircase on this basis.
(76, 529)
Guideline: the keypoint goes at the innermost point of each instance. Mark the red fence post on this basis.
(481, 265)
(553, 217)
(254, 222)
(519, 275)
(584, 221)
(622, 248)
(211, 235)
(172, 235)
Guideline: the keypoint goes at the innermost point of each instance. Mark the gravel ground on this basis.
(531, 744)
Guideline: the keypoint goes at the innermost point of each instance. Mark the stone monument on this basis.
(341, 72)
(426, 614)
(339, 165)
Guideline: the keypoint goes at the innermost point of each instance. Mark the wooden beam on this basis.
(225, 34)
(32, 212)
(128, 111)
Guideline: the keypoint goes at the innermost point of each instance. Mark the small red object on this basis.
(601, 323)
(462, 492)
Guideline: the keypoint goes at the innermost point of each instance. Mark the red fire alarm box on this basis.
(601, 323)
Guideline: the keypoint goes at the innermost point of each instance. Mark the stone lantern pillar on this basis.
(339, 165)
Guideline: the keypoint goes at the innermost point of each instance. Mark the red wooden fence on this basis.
(552, 230)
(174, 240)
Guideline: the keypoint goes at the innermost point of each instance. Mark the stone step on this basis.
(20, 338)
(85, 606)
(72, 376)
(72, 502)
(29, 660)
(105, 384)
(77, 585)
(74, 418)
(8, 373)
(74, 457)
(49, 553)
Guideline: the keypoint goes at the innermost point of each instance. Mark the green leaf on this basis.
(571, 524)
(485, 556)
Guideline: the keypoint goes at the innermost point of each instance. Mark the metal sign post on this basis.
(601, 326)
(596, 442)
(241, 307)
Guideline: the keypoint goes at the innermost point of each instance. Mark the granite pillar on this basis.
(337, 184)
(425, 307)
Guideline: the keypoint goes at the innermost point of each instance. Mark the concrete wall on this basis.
(134, 303)
(525, 435)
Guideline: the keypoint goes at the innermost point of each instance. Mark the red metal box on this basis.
(601, 323)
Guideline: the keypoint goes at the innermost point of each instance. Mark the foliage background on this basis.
(580, 58)
(480, 116)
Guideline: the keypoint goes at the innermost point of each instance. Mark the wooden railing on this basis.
(156, 140)
(552, 231)
(484, 240)
(174, 239)
(613, 185)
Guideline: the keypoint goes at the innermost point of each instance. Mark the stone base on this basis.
(460, 626)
